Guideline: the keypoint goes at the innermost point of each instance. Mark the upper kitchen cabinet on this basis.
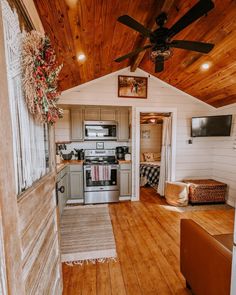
(99, 114)
(122, 117)
(77, 125)
(92, 114)
(70, 127)
(108, 114)
(62, 128)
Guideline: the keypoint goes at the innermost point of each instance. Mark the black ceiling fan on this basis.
(160, 39)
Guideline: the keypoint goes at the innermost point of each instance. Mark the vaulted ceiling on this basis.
(91, 27)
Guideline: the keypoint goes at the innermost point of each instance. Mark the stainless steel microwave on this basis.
(100, 130)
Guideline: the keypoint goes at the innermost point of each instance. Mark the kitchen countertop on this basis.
(65, 163)
(124, 162)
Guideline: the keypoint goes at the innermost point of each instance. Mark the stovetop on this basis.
(100, 157)
(100, 162)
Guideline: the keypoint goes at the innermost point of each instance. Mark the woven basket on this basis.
(206, 191)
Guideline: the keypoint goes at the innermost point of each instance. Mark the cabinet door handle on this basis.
(61, 189)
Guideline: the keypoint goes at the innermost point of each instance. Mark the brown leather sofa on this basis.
(205, 260)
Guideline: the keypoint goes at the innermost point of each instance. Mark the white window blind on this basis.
(30, 139)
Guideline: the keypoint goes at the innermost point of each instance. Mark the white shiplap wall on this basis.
(224, 155)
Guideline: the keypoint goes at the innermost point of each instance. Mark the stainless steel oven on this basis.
(100, 130)
(101, 177)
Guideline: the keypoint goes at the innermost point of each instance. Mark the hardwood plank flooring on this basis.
(147, 240)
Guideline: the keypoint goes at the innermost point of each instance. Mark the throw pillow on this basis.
(148, 157)
(157, 156)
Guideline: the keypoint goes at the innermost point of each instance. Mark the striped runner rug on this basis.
(86, 234)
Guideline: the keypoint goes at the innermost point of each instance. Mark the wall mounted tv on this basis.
(211, 126)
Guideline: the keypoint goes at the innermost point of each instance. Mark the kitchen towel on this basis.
(101, 172)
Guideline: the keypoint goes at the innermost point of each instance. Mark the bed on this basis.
(149, 173)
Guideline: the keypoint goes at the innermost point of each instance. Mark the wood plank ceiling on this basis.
(90, 27)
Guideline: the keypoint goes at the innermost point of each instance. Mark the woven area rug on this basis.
(87, 234)
(190, 208)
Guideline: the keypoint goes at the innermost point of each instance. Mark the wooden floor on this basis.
(147, 240)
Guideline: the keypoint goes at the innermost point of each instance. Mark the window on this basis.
(30, 138)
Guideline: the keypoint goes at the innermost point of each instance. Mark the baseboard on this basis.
(124, 198)
(231, 203)
(75, 201)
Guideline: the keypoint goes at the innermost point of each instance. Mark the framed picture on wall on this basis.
(145, 134)
(131, 86)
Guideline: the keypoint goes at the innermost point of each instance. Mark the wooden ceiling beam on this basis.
(151, 24)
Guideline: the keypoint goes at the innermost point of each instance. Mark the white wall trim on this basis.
(231, 203)
(136, 144)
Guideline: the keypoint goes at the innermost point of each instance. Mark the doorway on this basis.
(151, 116)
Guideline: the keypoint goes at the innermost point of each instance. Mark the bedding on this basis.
(149, 173)
(157, 163)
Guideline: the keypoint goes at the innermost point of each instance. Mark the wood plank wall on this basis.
(32, 13)
(3, 278)
(39, 239)
(152, 144)
(30, 224)
(8, 202)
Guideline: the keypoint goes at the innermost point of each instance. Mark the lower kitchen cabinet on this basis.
(62, 189)
(125, 180)
(76, 182)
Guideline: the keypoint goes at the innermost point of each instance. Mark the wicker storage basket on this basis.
(206, 191)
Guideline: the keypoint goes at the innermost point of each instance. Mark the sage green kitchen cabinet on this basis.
(77, 125)
(63, 186)
(62, 128)
(108, 114)
(92, 114)
(122, 115)
(125, 180)
(76, 182)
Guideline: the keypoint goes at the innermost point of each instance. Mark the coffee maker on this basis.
(79, 154)
(121, 151)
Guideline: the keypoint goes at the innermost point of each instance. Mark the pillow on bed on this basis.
(148, 157)
(157, 156)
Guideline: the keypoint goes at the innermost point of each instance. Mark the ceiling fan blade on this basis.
(132, 53)
(192, 45)
(159, 64)
(133, 24)
(198, 10)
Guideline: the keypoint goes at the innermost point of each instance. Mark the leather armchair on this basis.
(205, 260)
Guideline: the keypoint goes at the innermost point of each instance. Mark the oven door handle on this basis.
(88, 168)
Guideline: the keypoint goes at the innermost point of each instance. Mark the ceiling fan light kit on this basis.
(160, 40)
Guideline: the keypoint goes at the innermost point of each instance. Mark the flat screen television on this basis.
(211, 126)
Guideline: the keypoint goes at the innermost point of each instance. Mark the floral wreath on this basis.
(40, 75)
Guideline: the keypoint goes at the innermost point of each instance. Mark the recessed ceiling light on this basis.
(205, 66)
(81, 57)
(152, 120)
